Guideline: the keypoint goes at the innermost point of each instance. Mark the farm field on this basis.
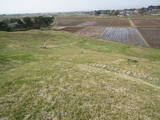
(72, 20)
(113, 23)
(87, 24)
(147, 22)
(46, 74)
(69, 23)
(126, 30)
(94, 22)
(72, 29)
(152, 36)
(125, 35)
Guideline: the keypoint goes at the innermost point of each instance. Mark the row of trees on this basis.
(154, 7)
(141, 11)
(108, 12)
(26, 23)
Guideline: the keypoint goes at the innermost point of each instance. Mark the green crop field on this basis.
(49, 75)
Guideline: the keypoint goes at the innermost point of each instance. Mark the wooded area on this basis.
(26, 23)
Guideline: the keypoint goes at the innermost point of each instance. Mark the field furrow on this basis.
(125, 35)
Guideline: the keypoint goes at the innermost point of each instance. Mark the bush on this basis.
(26, 23)
(42, 21)
(4, 25)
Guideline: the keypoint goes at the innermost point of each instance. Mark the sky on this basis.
(41, 6)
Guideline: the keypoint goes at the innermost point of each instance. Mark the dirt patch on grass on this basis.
(91, 31)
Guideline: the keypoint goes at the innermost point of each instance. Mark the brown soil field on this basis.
(69, 23)
(145, 17)
(91, 31)
(113, 22)
(152, 36)
(74, 18)
(109, 23)
(72, 29)
(88, 23)
(147, 22)
(92, 21)
(116, 29)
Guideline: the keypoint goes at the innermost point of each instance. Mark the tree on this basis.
(28, 23)
(116, 13)
(48, 20)
(97, 12)
(4, 25)
(20, 24)
(42, 21)
(143, 11)
(17, 21)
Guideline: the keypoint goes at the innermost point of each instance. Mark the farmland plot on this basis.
(147, 22)
(72, 20)
(152, 36)
(93, 22)
(69, 23)
(125, 35)
(88, 23)
(112, 22)
(72, 29)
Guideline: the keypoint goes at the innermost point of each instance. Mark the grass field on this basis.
(46, 75)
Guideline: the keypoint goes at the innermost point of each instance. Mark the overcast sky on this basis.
(36, 6)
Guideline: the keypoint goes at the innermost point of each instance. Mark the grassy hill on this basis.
(48, 75)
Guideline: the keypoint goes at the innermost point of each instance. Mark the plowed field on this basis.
(112, 22)
(69, 23)
(147, 23)
(152, 36)
(125, 35)
(72, 29)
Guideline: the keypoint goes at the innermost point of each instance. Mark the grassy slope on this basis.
(57, 82)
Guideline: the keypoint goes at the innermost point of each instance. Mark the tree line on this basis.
(26, 23)
(107, 12)
(142, 11)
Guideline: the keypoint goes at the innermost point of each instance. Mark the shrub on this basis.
(26, 23)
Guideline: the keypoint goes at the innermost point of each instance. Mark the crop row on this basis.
(125, 35)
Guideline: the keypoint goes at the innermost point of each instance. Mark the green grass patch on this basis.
(56, 82)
